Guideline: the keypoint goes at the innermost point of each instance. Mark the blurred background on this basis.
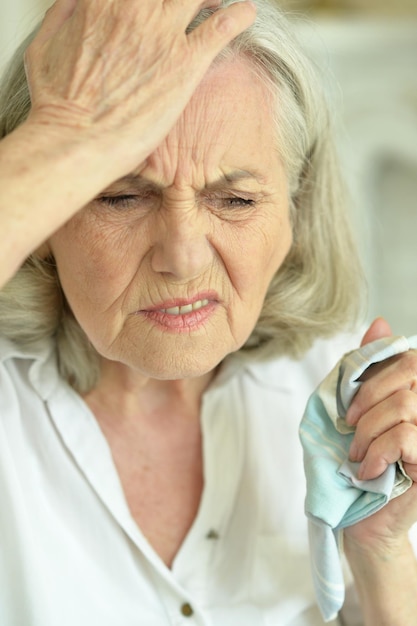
(368, 49)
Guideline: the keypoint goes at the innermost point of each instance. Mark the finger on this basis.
(381, 381)
(181, 13)
(411, 470)
(220, 28)
(399, 408)
(398, 443)
(377, 330)
(55, 17)
(211, 4)
(208, 4)
(190, 10)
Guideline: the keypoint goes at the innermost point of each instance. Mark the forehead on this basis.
(233, 79)
(228, 124)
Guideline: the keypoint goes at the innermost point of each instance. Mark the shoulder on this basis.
(26, 370)
(255, 384)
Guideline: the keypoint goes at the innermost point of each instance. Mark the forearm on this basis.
(386, 584)
(46, 175)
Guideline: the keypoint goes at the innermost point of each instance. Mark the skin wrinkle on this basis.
(185, 237)
(154, 57)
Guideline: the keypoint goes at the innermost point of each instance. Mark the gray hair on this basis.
(315, 293)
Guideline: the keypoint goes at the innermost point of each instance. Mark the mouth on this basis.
(184, 306)
(183, 314)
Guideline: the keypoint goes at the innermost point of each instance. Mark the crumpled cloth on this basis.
(335, 497)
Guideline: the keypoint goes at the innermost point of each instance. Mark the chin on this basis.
(178, 369)
(180, 365)
(170, 360)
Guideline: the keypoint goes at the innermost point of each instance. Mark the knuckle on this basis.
(407, 430)
(409, 363)
(405, 406)
(403, 434)
(404, 403)
(379, 452)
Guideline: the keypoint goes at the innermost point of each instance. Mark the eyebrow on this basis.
(235, 176)
(225, 179)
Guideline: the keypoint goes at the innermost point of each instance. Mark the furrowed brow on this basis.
(135, 180)
(235, 176)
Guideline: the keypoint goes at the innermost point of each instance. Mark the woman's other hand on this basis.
(382, 560)
(384, 412)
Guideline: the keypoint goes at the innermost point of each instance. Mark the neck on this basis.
(124, 395)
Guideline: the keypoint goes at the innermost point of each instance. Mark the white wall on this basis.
(375, 63)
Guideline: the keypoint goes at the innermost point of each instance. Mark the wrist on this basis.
(72, 130)
(375, 548)
(62, 149)
(385, 576)
(52, 172)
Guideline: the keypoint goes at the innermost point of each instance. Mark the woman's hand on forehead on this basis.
(125, 66)
(108, 79)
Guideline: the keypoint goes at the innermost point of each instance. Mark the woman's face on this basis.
(167, 270)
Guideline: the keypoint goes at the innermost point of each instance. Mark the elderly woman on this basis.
(175, 253)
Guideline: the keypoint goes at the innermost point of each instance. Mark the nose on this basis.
(181, 247)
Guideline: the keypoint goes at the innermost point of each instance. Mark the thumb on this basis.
(378, 329)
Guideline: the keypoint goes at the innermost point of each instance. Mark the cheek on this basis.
(94, 277)
(255, 256)
(92, 259)
(279, 247)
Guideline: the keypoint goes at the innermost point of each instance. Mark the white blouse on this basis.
(71, 553)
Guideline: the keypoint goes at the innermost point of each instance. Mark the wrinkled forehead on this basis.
(228, 124)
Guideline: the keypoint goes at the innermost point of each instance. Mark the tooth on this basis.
(199, 304)
(186, 308)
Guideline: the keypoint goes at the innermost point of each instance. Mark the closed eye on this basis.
(122, 201)
(143, 200)
(231, 207)
(239, 202)
(147, 200)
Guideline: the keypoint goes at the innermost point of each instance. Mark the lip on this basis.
(182, 322)
(211, 296)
